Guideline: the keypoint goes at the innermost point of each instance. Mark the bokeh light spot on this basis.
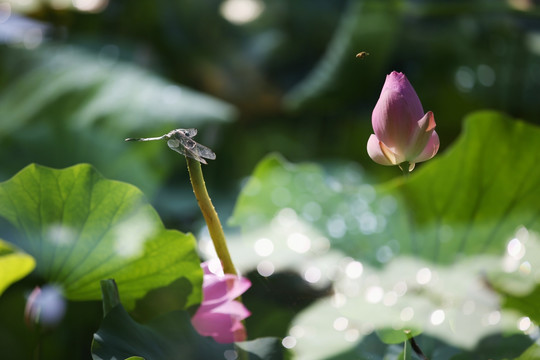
(60, 235)
(90, 5)
(241, 11)
(354, 269)
(299, 243)
(515, 249)
(423, 276)
(336, 227)
(384, 254)
(312, 274)
(524, 323)
(486, 75)
(288, 342)
(214, 266)
(374, 294)
(525, 268)
(367, 223)
(437, 317)
(464, 79)
(265, 268)
(230, 354)
(406, 314)
(264, 247)
(341, 323)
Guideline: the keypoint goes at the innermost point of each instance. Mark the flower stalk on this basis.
(181, 141)
(417, 349)
(210, 215)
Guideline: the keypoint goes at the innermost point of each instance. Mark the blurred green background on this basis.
(254, 76)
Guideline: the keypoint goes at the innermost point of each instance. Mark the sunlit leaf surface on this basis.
(14, 265)
(82, 228)
(454, 219)
(518, 280)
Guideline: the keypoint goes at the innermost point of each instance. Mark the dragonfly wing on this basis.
(196, 148)
(176, 145)
(195, 156)
(187, 142)
(205, 152)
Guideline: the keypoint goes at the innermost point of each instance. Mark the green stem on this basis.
(109, 294)
(404, 166)
(210, 216)
(38, 349)
(417, 349)
(213, 223)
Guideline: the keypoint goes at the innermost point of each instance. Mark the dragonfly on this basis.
(181, 141)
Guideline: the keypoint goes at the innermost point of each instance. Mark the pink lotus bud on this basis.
(403, 133)
(45, 307)
(219, 315)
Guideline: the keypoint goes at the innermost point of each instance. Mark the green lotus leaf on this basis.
(532, 353)
(170, 336)
(517, 282)
(469, 200)
(437, 234)
(82, 228)
(14, 265)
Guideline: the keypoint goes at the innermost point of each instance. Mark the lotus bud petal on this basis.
(403, 132)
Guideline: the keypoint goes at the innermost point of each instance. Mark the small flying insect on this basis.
(362, 54)
(180, 140)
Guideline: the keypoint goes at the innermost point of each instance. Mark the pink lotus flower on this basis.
(219, 315)
(403, 133)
